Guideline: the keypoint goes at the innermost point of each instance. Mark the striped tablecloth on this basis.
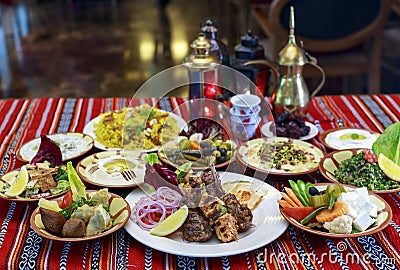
(21, 248)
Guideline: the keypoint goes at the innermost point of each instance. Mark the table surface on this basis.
(21, 248)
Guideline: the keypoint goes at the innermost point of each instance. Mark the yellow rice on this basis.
(135, 129)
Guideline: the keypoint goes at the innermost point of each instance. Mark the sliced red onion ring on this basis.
(164, 202)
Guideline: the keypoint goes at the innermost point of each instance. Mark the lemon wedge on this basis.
(391, 169)
(19, 184)
(171, 223)
(50, 205)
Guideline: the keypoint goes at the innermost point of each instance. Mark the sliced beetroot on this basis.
(48, 151)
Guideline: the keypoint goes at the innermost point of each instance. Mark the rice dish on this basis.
(137, 128)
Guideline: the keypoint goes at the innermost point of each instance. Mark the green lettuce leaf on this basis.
(77, 187)
(151, 158)
(388, 143)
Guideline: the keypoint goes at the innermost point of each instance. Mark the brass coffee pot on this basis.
(291, 93)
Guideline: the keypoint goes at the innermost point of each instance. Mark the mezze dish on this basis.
(135, 128)
(334, 210)
(357, 168)
(102, 213)
(32, 182)
(200, 152)
(377, 169)
(71, 144)
(192, 234)
(348, 138)
(113, 169)
(79, 215)
(280, 156)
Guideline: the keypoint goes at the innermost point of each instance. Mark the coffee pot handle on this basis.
(322, 82)
(271, 66)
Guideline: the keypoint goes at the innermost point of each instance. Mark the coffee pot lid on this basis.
(292, 54)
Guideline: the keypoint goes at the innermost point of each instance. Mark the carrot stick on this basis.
(293, 196)
(284, 203)
(288, 199)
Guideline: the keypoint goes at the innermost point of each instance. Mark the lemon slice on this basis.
(391, 169)
(171, 223)
(19, 184)
(51, 205)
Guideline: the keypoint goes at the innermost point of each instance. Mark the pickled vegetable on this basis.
(319, 200)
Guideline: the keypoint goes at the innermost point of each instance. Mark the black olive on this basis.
(223, 152)
(221, 159)
(313, 191)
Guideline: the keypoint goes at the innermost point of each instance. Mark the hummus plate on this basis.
(113, 169)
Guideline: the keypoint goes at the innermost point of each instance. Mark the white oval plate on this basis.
(89, 129)
(113, 169)
(72, 145)
(265, 131)
(247, 155)
(330, 138)
(269, 225)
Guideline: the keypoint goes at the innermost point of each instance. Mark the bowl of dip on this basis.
(348, 138)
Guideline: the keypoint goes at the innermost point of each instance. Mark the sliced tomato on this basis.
(298, 213)
(67, 199)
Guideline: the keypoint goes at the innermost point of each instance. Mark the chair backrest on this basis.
(329, 25)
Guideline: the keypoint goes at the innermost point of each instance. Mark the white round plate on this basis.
(89, 129)
(113, 169)
(72, 145)
(268, 221)
(265, 131)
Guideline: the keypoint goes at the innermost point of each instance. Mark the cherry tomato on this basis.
(67, 199)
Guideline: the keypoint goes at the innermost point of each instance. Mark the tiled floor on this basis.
(99, 48)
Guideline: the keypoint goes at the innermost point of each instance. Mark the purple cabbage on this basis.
(208, 127)
(48, 151)
(157, 176)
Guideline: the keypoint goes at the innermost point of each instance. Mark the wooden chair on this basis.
(345, 36)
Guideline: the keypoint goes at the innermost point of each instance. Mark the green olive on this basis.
(185, 144)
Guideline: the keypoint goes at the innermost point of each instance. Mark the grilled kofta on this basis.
(211, 206)
(196, 227)
(226, 228)
(240, 212)
(213, 187)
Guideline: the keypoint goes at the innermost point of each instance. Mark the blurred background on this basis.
(102, 48)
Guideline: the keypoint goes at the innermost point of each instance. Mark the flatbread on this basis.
(245, 193)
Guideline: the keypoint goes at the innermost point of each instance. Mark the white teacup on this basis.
(246, 118)
(245, 104)
(244, 131)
